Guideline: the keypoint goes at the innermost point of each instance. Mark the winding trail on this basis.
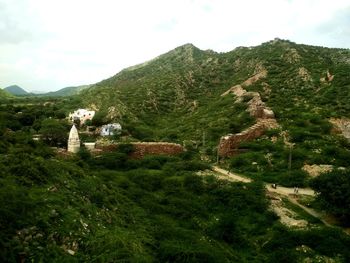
(235, 177)
(285, 191)
(290, 191)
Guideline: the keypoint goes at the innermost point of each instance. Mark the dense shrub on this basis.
(334, 193)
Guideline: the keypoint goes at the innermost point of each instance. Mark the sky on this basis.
(46, 45)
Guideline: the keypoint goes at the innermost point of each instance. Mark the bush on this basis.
(112, 160)
(293, 178)
(334, 192)
(194, 183)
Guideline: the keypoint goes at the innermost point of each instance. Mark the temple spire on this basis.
(73, 140)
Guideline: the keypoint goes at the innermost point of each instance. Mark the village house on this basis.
(82, 115)
(111, 129)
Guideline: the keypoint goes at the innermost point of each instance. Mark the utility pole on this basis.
(217, 155)
(203, 138)
(290, 158)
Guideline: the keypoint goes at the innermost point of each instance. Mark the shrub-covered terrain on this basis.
(111, 208)
(177, 97)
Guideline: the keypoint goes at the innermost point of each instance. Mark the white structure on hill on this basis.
(111, 129)
(73, 140)
(82, 115)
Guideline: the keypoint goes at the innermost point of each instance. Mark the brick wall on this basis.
(148, 148)
(229, 144)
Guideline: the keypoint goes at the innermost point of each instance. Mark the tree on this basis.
(54, 132)
(99, 118)
(334, 192)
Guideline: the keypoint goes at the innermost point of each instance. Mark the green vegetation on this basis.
(301, 213)
(111, 208)
(4, 95)
(176, 97)
(334, 194)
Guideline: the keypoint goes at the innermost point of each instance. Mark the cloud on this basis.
(10, 30)
(336, 31)
(52, 44)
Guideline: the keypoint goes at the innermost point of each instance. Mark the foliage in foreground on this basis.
(112, 208)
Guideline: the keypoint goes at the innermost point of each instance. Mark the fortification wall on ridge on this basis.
(229, 144)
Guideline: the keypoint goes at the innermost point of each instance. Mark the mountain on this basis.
(177, 90)
(188, 81)
(16, 90)
(109, 207)
(68, 91)
(181, 96)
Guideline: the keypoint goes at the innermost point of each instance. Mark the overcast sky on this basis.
(46, 45)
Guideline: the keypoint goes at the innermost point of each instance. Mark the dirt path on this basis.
(285, 191)
(288, 190)
(309, 211)
(235, 177)
(280, 189)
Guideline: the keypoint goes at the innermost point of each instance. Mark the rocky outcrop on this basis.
(229, 144)
(341, 126)
(256, 107)
(315, 170)
(304, 74)
(141, 149)
(239, 90)
(328, 78)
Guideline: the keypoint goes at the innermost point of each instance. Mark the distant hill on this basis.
(16, 90)
(68, 91)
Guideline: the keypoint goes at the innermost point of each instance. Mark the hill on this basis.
(16, 90)
(110, 207)
(174, 80)
(68, 91)
(178, 97)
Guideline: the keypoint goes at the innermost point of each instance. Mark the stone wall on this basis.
(229, 144)
(148, 148)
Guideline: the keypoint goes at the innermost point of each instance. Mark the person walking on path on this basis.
(296, 190)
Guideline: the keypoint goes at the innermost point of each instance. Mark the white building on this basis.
(111, 129)
(73, 140)
(82, 115)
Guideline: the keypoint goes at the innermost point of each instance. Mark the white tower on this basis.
(73, 140)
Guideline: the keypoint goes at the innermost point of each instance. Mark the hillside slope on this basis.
(177, 97)
(185, 82)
